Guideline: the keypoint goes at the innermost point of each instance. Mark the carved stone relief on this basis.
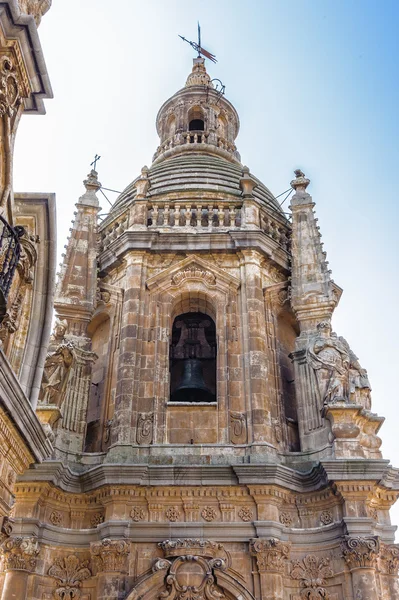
(110, 555)
(312, 572)
(69, 572)
(238, 428)
(20, 553)
(360, 551)
(144, 428)
(271, 554)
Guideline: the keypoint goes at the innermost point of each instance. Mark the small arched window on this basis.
(193, 359)
(196, 119)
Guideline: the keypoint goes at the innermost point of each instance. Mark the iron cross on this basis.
(96, 159)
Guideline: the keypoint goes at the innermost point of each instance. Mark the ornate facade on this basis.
(207, 435)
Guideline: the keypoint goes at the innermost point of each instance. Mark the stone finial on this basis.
(142, 183)
(300, 183)
(92, 186)
(36, 8)
(247, 184)
(198, 76)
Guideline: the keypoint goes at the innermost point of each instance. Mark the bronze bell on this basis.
(192, 387)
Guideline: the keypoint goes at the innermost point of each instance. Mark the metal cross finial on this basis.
(94, 163)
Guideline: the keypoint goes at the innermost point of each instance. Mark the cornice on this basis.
(16, 25)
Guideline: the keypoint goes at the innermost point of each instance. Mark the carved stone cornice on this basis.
(389, 559)
(360, 552)
(110, 555)
(69, 572)
(312, 572)
(271, 554)
(20, 553)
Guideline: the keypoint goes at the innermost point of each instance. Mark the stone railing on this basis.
(275, 230)
(196, 138)
(10, 251)
(201, 215)
(112, 231)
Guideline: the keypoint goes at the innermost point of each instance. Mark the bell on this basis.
(192, 387)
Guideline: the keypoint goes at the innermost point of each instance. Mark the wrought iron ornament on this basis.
(198, 48)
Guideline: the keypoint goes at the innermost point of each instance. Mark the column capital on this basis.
(360, 552)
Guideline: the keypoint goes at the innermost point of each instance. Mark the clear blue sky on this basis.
(316, 86)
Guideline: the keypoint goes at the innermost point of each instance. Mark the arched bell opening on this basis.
(192, 358)
(196, 120)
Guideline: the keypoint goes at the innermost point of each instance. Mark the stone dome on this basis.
(196, 174)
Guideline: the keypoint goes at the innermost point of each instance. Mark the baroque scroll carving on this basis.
(196, 560)
(20, 553)
(70, 572)
(360, 551)
(389, 559)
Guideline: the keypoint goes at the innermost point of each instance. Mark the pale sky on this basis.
(315, 84)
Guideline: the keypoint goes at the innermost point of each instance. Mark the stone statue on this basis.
(58, 362)
(328, 355)
(338, 371)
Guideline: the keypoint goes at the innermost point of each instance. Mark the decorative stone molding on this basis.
(271, 554)
(145, 428)
(137, 513)
(69, 572)
(389, 559)
(194, 273)
(20, 553)
(191, 546)
(110, 555)
(360, 552)
(312, 572)
(36, 8)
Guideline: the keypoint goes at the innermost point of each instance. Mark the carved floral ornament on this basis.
(389, 559)
(312, 572)
(70, 572)
(193, 272)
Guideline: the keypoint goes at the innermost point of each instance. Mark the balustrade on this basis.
(200, 215)
(195, 137)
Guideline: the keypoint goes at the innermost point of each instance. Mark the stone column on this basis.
(111, 563)
(19, 561)
(125, 419)
(271, 557)
(360, 554)
(255, 348)
(389, 566)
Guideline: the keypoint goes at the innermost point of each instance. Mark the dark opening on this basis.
(193, 359)
(196, 125)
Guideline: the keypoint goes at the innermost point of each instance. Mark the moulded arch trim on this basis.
(151, 585)
(211, 276)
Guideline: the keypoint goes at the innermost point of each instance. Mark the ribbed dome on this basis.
(199, 173)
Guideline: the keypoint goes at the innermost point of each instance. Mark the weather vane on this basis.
(198, 48)
(94, 163)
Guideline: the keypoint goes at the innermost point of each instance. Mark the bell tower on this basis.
(214, 437)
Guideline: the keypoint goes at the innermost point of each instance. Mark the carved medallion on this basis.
(238, 428)
(144, 428)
